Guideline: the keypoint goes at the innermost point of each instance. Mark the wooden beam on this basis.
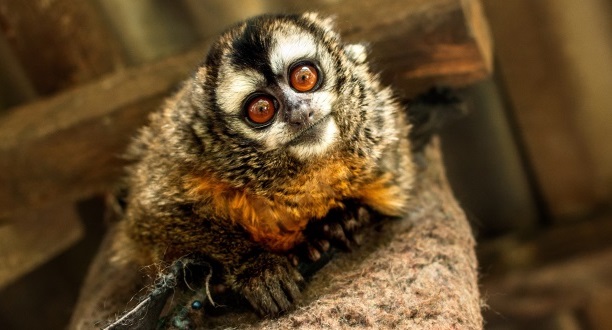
(549, 103)
(59, 43)
(416, 43)
(567, 240)
(30, 241)
(578, 289)
(68, 146)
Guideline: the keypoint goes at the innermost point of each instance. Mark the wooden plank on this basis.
(416, 43)
(544, 94)
(578, 289)
(59, 43)
(517, 253)
(453, 50)
(15, 88)
(68, 146)
(32, 239)
(142, 41)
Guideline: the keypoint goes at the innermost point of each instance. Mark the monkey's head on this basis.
(284, 88)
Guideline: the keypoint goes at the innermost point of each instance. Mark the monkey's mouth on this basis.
(311, 134)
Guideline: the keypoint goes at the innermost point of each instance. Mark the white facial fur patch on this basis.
(322, 101)
(274, 136)
(235, 86)
(290, 46)
(306, 151)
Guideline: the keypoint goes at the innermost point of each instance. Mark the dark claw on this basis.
(323, 245)
(313, 253)
(351, 225)
(336, 233)
(357, 239)
(363, 216)
(293, 259)
(291, 285)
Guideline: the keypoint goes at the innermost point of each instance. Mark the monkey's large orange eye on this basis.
(261, 110)
(303, 77)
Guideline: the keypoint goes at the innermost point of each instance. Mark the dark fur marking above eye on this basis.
(251, 50)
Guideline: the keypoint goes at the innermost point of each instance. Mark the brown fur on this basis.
(204, 183)
(277, 222)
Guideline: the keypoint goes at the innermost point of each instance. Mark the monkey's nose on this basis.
(301, 116)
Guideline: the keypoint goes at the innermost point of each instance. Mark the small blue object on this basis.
(196, 304)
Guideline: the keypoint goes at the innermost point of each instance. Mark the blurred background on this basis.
(531, 163)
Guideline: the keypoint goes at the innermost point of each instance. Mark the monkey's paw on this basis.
(340, 228)
(269, 283)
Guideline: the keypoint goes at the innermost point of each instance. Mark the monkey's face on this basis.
(276, 83)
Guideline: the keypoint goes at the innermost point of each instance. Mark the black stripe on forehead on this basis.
(251, 48)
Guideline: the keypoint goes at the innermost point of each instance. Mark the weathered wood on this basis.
(69, 146)
(548, 246)
(15, 88)
(576, 290)
(65, 148)
(59, 43)
(31, 239)
(416, 43)
(549, 102)
(143, 41)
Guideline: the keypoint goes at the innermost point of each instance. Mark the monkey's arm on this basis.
(265, 279)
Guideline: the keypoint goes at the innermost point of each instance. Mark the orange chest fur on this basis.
(278, 219)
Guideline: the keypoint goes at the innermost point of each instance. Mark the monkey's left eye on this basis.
(303, 76)
(260, 110)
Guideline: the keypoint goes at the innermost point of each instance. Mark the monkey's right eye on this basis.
(260, 110)
(303, 76)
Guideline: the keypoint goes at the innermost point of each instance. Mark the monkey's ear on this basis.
(200, 73)
(328, 23)
(356, 52)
